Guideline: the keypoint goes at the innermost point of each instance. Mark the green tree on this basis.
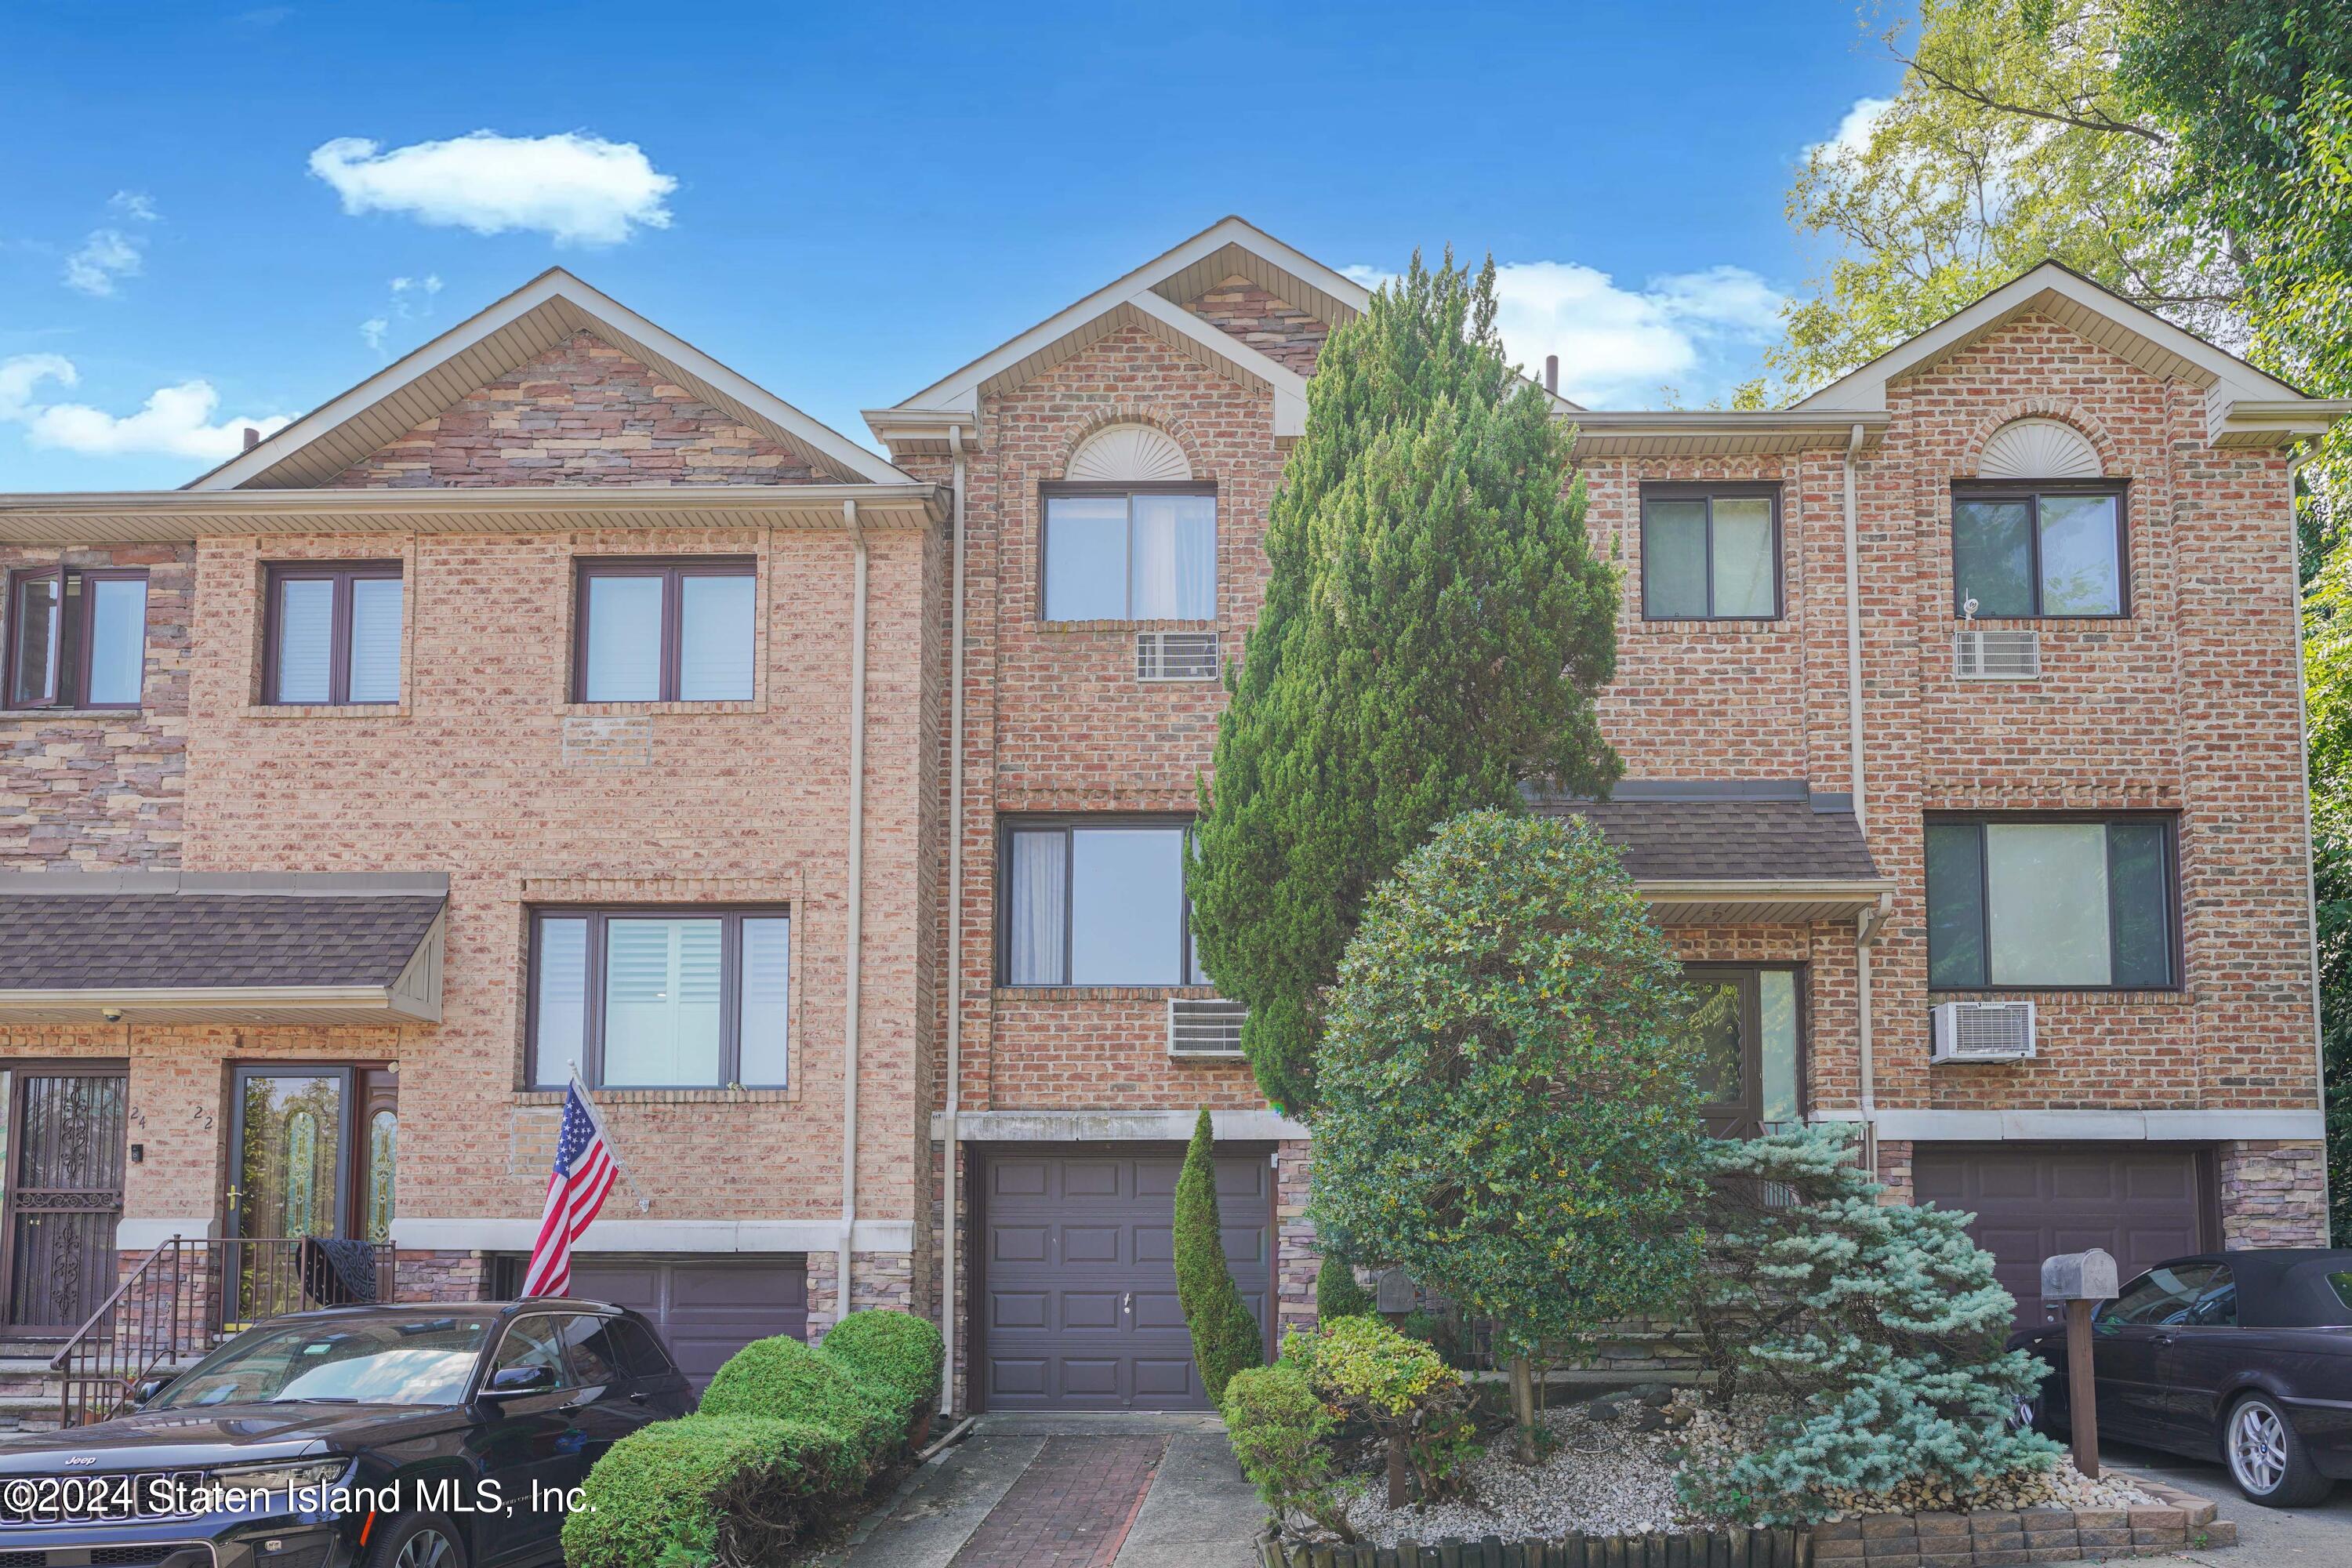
(1510, 1112)
(1863, 1338)
(1434, 629)
(1225, 1338)
(1336, 1294)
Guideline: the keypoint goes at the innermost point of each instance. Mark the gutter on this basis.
(857, 920)
(955, 942)
(1867, 924)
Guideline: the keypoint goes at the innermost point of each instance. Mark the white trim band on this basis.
(1114, 1126)
(2095, 1126)
(714, 1236)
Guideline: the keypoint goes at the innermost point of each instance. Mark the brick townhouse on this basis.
(558, 699)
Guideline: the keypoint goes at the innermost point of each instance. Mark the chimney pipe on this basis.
(1551, 374)
(252, 438)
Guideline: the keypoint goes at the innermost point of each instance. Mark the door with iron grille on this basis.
(63, 1159)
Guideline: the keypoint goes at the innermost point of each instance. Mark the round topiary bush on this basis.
(732, 1489)
(782, 1379)
(893, 1356)
(1336, 1294)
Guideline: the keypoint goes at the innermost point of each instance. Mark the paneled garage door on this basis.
(706, 1308)
(2144, 1202)
(1078, 1276)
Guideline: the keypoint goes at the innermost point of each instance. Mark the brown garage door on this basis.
(2143, 1203)
(1078, 1286)
(706, 1308)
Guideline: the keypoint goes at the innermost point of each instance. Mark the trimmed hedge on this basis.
(1336, 1294)
(893, 1356)
(782, 1379)
(729, 1488)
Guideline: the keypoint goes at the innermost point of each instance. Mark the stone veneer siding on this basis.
(1275, 328)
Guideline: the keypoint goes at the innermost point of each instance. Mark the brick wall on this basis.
(102, 788)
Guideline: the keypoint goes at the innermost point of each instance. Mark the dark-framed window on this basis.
(1131, 552)
(1750, 1021)
(661, 996)
(332, 636)
(1096, 900)
(2047, 551)
(2057, 902)
(666, 631)
(1711, 552)
(76, 637)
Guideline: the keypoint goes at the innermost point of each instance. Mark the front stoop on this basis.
(28, 1389)
(2002, 1538)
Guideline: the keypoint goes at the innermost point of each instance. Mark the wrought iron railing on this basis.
(188, 1295)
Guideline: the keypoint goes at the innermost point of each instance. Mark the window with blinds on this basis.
(660, 999)
(332, 637)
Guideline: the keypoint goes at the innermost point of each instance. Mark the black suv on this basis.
(411, 1437)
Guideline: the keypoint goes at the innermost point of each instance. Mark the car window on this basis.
(2162, 1295)
(2216, 1306)
(640, 1352)
(535, 1340)
(587, 1340)
(405, 1359)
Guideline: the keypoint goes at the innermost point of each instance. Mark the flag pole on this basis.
(645, 1204)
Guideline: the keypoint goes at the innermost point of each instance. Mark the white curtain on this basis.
(1039, 908)
(1175, 565)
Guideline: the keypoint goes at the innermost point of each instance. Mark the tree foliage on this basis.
(1435, 627)
(1225, 1338)
(1510, 1112)
(1336, 1294)
(1864, 1339)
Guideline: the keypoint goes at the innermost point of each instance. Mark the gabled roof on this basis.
(1154, 296)
(2243, 405)
(541, 315)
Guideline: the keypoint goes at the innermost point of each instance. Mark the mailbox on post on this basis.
(2080, 1280)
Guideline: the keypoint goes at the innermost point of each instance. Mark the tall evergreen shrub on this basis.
(1225, 1338)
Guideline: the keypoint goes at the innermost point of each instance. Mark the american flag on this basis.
(584, 1172)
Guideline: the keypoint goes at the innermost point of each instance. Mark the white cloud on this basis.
(1695, 331)
(107, 254)
(372, 329)
(412, 299)
(136, 204)
(1852, 136)
(175, 421)
(577, 188)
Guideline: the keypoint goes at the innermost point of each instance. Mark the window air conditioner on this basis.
(1983, 1031)
(1204, 1027)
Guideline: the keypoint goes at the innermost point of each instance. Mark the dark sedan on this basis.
(2245, 1357)
(424, 1436)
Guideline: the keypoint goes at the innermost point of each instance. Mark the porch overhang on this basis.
(1769, 901)
(171, 947)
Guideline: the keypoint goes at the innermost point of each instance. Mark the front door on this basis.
(61, 1154)
(290, 1147)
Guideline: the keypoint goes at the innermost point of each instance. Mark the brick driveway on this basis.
(1070, 1509)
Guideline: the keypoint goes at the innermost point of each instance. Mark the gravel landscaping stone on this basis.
(1605, 1478)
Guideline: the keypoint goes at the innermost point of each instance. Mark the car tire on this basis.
(415, 1541)
(2267, 1460)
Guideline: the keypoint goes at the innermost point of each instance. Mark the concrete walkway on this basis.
(1069, 1491)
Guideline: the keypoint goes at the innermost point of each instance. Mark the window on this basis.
(1748, 1023)
(77, 638)
(585, 1341)
(666, 631)
(532, 1343)
(2056, 551)
(1096, 902)
(2068, 903)
(1710, 554)
(2197, 1293)
(1130, 555)
(660, 998)
(332, 633)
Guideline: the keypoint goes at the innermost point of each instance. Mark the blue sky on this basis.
(844, 202)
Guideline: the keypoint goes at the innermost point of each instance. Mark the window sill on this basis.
(604, 1097)
(1057, 628)
(638, 709)
(2095, 994)
(1098, 992)
(43, 715)
(1718, 628)
(324, 711)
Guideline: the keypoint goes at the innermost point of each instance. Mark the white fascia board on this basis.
(615, 317)
(665, 1236)
(960, 387)
(1114, 1126)
(2271, 422)
(1866, 388)
(2028, 1126)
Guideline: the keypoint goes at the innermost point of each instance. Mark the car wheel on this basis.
(2266, 1459)
(418, 1541)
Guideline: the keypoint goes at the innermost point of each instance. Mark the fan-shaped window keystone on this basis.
(2039, 449)
(1129, 455)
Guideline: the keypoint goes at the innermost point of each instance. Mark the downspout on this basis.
(1865, 931)
(857, 908)
(955, 941)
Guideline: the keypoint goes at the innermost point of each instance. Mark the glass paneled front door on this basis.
(62, 1152)
(289, 1147)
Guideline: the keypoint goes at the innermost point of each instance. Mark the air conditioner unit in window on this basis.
(1983, 1031)
(1176, 655)
(1204, 1027)
(1996, 653)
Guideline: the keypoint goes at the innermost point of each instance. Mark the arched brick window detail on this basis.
(1128, 454)
(2039, 449)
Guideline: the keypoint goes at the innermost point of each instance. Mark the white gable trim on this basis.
(2113, 323)
(1008, 365)
(513, 331)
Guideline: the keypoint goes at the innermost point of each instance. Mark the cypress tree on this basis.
(1225, 1338)
(1434, 629)
(1336, 1294)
